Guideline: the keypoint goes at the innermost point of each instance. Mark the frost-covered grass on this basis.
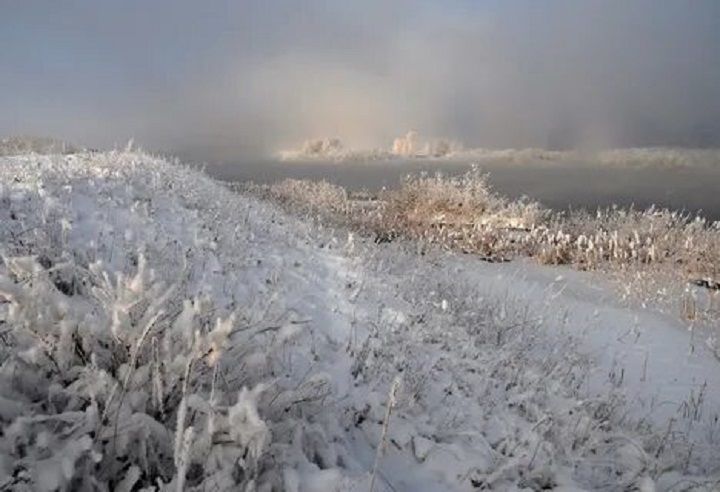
(159, 331)
(510, 398)
(312, 197)
(654, 252)
(38, 145)
(137, 331)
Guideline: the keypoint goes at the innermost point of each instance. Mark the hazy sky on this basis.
(221, 80)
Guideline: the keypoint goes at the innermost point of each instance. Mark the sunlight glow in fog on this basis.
(223, 80)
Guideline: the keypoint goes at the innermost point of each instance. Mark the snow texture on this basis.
(159, 331)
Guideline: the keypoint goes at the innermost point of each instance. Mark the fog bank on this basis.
(222, 80)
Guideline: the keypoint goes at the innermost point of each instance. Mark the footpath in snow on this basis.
(161, 332)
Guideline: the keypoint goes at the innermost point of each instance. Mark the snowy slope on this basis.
(158, 330)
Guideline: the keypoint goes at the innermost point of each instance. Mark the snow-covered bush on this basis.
(455, 211)
(38, 145)
(330, 149)
(311, 197)
(452, 212)
(463, 213)
(322, 148)
(141, 339)
(112, 378)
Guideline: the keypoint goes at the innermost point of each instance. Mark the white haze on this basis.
(225, 80)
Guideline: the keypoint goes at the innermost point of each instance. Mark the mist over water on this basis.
(222, 81)
(235, 82)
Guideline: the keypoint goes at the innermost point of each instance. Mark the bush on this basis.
(122, 280)
(463, 213)
(313, 197)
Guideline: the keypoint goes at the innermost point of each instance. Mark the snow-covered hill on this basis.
(159, 331)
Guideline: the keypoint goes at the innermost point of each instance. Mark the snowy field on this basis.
(159, 331)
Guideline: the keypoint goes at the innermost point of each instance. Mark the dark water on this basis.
(559, 186)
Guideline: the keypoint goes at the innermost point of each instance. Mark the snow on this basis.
(160, 331)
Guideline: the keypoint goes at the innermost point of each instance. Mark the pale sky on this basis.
(224, 80)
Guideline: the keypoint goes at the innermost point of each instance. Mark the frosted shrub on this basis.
(422, 200)
(653, 255)
(136, 351)
(457, 212)
(322, 147)
(314, 197)
(114, 377)
(39, 145)
(463, 213)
